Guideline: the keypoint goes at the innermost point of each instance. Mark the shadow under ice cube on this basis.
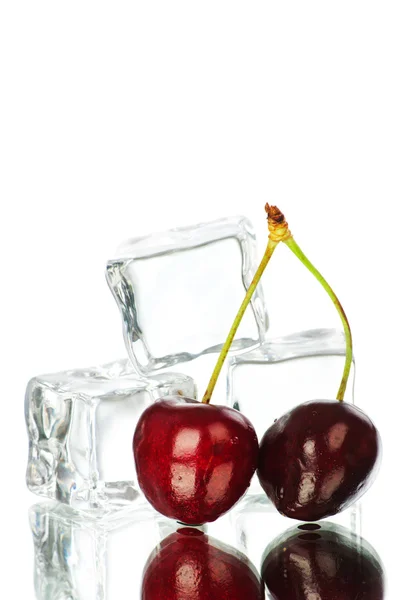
(179, 291)
(81, 424)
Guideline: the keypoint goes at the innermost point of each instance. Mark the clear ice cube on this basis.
(81, 424)
(286, 371)
(179, 291)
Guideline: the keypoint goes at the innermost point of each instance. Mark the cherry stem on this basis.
(290, 242)
(272, 244)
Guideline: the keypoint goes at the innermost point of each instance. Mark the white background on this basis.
(118, 119)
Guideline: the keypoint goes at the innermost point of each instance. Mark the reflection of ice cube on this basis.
(81, 424)
(88, 559)
(179, 292)
(267, 382)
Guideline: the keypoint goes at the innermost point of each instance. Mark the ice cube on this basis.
(87, 559)
(267, 382)
(179, 291)
(81, 424)
(285, 371)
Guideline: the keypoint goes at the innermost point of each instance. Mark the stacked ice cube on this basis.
(178, 293)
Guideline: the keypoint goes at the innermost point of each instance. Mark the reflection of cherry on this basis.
(322, 561)
(189, 565)
(318, 459)
(194, 460)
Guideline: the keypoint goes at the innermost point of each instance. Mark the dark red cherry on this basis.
(318, 459)
(322, 562)
(189, 565)
(194, 461)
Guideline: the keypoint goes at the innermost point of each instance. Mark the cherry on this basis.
(194, 460)
(312, 561)
(318, 459)
(189, 565)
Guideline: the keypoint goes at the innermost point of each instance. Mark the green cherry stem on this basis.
(227, 344)
(290, 243)
(278, 232)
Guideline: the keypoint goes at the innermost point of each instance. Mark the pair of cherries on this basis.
(195, 460)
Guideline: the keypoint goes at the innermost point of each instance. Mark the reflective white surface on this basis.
(122, 119)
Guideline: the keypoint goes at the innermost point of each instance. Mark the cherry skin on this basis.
(190, 566)
(194, 460)
(325, 563)
(318, 459)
